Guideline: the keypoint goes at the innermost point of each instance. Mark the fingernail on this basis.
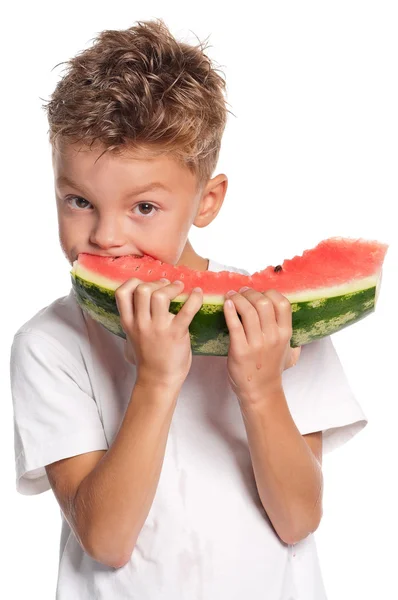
(165, 280)
(177, 281)
(243, 289)
(197, 289)
(230, 292)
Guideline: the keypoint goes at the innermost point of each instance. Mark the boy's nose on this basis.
(108, 234)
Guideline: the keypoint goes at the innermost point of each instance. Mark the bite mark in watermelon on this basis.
(329, 287)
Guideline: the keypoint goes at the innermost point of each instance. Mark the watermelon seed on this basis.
(277, 269)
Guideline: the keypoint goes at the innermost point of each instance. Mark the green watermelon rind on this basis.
(311, 320)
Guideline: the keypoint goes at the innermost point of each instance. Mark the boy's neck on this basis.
(190, 259)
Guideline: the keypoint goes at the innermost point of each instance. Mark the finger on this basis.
(183, 318)
(294, 356)
(124, 296)
(142, 300)
(236, 330)
(250, 319)
(282, 307)
(264, 306)
(124, 301)
(160, 300)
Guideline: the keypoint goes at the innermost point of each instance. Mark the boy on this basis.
(178, 477)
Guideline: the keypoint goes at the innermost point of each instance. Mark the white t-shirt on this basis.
(207, 536)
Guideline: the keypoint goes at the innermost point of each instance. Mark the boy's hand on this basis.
(259, 348)
(158, 341)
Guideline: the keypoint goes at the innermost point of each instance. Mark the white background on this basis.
(311, 153)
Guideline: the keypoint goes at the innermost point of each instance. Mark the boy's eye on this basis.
(72, 198)
(146, 205)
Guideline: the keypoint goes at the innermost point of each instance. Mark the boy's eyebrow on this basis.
(63, 180)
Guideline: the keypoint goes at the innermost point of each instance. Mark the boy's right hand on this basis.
(158, 342)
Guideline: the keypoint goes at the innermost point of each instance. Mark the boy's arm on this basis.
(287, 467)
(106, 495)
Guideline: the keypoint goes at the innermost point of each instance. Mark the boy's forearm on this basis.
(288, 476)
(114, 500)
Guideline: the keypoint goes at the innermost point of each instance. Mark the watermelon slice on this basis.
(329, 287)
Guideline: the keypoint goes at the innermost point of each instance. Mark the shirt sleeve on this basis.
(319, 395)
(55, 415)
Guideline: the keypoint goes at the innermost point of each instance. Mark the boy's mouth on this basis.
(76, 257)
(111, 256)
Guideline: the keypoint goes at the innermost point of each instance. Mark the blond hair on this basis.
(140, 88)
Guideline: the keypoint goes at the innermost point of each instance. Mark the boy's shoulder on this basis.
(61, 323)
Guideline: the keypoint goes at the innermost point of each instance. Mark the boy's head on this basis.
(137, 108)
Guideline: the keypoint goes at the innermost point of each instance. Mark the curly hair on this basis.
(141, 89)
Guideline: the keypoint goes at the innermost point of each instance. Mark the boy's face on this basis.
(103, 208)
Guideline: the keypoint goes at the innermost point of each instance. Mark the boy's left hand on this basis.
(259, 348)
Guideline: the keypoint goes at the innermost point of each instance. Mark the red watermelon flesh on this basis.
(333, 262)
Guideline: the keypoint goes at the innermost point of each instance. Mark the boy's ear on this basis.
(211, 201)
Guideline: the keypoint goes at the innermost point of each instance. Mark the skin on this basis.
(287, 465)
(99, 500)
(109, 223)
